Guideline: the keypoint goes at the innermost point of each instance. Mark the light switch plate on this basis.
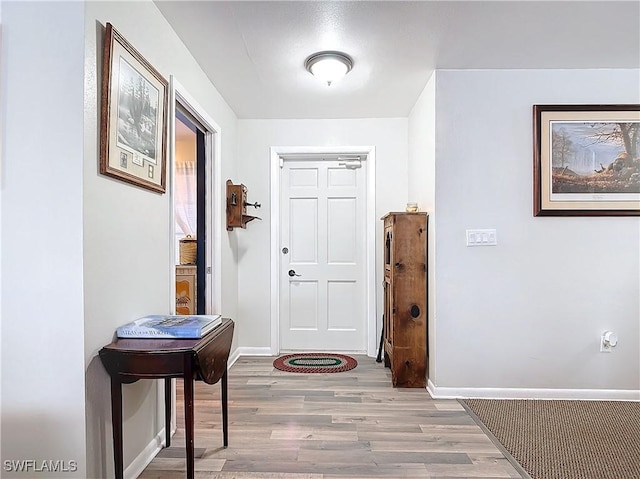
(483, 237)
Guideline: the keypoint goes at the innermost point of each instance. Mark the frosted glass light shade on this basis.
(329, 66)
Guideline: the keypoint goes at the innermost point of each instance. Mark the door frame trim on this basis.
(370, 221)
(213, 151)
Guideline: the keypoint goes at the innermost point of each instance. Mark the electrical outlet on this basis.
(608, 341)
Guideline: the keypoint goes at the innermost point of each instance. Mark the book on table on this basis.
(192, 326)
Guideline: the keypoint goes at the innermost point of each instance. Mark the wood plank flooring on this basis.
(320, 426)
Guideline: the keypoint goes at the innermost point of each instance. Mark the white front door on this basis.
(322, 254)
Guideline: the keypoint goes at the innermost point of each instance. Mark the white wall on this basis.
(422, 189)
(127, 263)
(255, 137)
(43, 390)
(529, 312)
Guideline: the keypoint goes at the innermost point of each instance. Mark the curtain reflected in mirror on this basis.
(185, 201)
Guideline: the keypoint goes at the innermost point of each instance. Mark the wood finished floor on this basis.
(320, 426)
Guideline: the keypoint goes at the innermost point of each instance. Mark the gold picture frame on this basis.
(133, 136)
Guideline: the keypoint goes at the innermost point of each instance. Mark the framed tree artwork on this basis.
(586, 160)
(133, 136)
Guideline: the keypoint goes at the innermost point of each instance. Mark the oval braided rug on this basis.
(314, 363)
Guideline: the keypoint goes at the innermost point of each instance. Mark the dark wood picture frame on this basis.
(586, 160)
(134, 100)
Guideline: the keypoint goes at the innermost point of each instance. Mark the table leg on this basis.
(167, 411)
(116, 419)
(188, 414)
(225, 411)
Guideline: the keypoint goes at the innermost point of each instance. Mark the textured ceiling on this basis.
(254, 52)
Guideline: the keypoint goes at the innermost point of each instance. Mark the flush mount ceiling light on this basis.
(329, 66)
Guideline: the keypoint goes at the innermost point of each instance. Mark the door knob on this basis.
(292, 273)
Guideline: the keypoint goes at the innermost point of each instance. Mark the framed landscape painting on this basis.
(586, 160)
(133, 137)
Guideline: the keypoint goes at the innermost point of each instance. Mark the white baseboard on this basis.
(437, 392)
(254, 352)
(233, 357)
(143, 459)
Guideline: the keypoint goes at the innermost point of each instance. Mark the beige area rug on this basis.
(565, 439)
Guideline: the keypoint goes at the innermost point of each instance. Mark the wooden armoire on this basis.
(405, 298)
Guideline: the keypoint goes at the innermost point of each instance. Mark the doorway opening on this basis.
(196, 206)
(190, 194)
